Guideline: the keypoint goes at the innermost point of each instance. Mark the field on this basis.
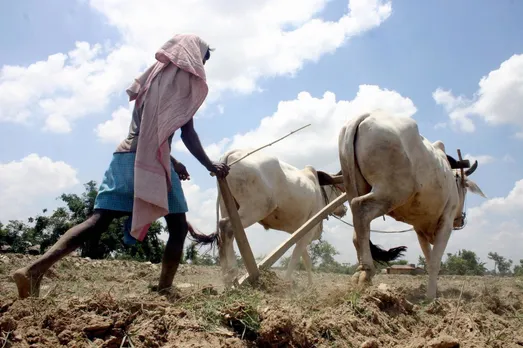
(88, 303)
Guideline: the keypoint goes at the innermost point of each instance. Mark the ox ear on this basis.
(339, 173)
(324, 178)
(474, 188)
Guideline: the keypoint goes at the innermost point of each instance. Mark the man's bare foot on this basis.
(27, 284)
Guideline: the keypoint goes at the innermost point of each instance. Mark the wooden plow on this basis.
(253, 269)
(275, 255)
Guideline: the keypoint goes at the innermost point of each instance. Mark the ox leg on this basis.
(440, 244)
(308, 265)
(425, 247)
(299, 249)
(365, 209)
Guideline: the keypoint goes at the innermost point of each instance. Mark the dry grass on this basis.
(109, 304)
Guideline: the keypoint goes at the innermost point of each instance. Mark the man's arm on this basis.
(192, 142)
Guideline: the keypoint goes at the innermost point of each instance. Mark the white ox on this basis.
(389, 169)
(276, 195)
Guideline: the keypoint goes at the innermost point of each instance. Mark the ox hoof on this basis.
(362, 278)
(431, 296)
(355, 278)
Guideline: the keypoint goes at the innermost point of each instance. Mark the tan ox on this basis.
(389, 169)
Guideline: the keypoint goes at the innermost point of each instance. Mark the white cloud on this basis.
(482, 159)
(252, 40)
(25, 183)
(315, 145)
(115, 130)
(496, 225)
(440, 125)
(67, 86)
(499, 99)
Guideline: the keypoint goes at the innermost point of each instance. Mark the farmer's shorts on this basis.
(117, 188)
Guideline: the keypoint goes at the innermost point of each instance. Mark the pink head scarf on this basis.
(168, 106)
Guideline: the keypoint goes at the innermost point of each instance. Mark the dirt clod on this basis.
(7, 324)
(443, 342)
(97, 325)
(65, 336)
(372, 343)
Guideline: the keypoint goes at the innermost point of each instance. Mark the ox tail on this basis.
(201, 238)
(349, 165)
(212, 239)
(385, 256)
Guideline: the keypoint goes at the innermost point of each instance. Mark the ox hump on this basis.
(439, 145)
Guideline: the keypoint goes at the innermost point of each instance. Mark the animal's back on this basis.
(256, 171)
(394, 145)
(392, 155)
(279, 191)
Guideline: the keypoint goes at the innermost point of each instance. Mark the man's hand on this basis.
(221, 170)
(180, 169)
(193, 144)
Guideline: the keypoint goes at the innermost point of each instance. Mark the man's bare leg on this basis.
(28, 279)
(177, 225)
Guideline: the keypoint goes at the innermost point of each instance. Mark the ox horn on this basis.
(453, 163)
(472, 169)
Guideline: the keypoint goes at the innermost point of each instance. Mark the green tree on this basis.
(322, 256)
(45, 230)
(191, 254)
(322, 253)
(518, 269)
(16, 235)
(464, 262)
(422, 262)
(207, 260)
(501, 264)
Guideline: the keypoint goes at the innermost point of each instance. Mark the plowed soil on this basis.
(86, 303)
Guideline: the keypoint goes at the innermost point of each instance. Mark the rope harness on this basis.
(461, 220)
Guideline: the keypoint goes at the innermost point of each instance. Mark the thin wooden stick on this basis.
(264, 146)
(461, 169)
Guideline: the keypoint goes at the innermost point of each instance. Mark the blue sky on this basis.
(414, 49)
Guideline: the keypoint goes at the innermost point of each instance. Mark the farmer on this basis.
(143, 180)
